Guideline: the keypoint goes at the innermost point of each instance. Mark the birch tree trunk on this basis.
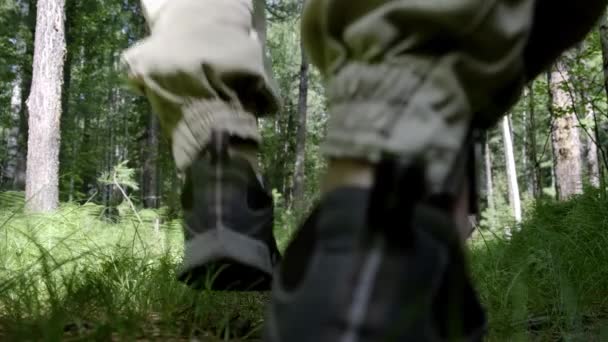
(44, 104)
(513, 185)
(565, 137)
(299, 168)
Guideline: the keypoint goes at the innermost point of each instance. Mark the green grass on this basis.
(71, 276)
(550, 281)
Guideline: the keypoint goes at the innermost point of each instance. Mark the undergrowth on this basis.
(73, 276)
(550, 281)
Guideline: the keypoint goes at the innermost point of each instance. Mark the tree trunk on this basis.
(513, 185)
(299, 168)
(601, 156)
(592, 160)
(565, 137)
(487, 153)
(150, 189)
(12, 143)
(525, 163)
(28, 12)
(489, 181)
(584, 112)
(44, 104)
(604, 45)
(535, 172)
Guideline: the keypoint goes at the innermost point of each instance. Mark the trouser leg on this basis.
(204, 68)
(411, 78)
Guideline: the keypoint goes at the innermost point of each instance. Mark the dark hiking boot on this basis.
(228, 224)
(375, 265)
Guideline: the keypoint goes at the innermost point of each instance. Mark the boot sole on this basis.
(223, 260)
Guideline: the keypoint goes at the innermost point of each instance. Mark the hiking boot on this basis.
(228, 224)
(375, 265)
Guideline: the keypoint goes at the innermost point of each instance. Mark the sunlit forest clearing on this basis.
(101, 263)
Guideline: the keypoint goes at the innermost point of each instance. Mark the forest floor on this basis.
(73, 277)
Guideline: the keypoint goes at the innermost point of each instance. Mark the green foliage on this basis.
(550, 281)
(71, 276)
(279, 131)
(12, 200)
(120, 174)
(284, 221)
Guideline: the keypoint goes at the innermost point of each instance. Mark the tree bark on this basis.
(28, 13)
(299, 168)
(584, 110)
(44, 104)
(513, 185)
(603, 33)
(565, 137)
(12, 143)
(487, 153)
(535, 172)
(150, 190)
(525, 162)
(592, 158)
(604, 44)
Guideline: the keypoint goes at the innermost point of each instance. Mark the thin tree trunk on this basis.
(535, 174)
(12, 143)
(592, 160)
(44, 104)
(284, 171)
(111, 162)
(489, 181)
(513, 185)
(528, 183)
(600, 155)
(29, 14)
(151, 171)
(88, 181)
(299, 168)
(71, 150)
(565, 138)
(584, 110)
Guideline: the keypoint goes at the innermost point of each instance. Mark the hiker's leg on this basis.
(204, 68)
(205, 73)
(409, 78)
(407, 81)
(406, 78)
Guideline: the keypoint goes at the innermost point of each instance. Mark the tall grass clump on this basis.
(550, 280)
(73, 276)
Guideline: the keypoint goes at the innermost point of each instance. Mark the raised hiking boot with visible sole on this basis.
(375, 265)
(228, 223)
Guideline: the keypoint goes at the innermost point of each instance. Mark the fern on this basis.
(120, 174)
